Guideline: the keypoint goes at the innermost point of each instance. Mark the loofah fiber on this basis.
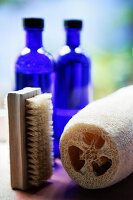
(97, 143)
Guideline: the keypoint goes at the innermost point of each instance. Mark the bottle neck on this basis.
(33, 38)
(72, 37)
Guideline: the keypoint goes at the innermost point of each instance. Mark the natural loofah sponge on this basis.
(97, 143)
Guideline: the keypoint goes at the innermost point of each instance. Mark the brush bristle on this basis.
(39, 138)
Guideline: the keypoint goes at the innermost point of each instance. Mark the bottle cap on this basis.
(74, 23)
(33, 23)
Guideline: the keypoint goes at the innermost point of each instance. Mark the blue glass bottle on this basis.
(72, 83)
(34, 65)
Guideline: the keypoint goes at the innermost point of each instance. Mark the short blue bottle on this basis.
(72, 81)
(34, 66)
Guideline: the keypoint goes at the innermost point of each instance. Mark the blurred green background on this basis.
(107, 37)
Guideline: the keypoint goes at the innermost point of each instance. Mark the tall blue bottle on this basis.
(34, 66)
(72, 83)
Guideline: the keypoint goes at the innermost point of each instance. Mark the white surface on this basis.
(6, 193)
(3, 125)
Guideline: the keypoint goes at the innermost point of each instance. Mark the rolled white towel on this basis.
(97, 143)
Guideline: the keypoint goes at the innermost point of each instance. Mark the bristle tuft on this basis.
(39, 140)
